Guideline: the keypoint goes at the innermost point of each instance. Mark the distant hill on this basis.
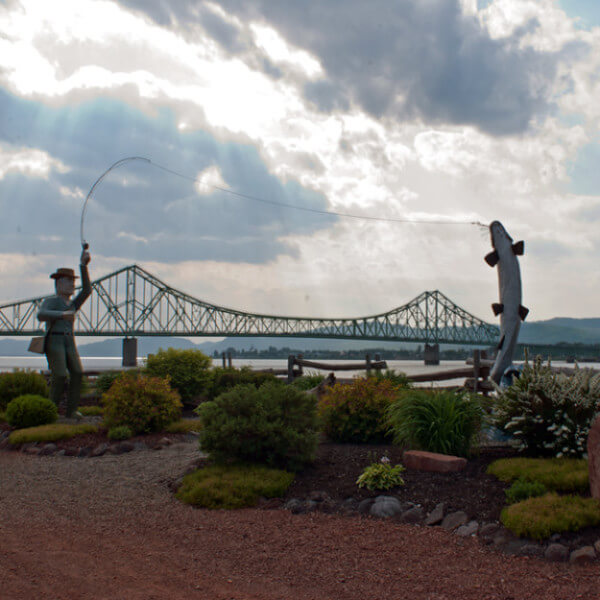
(552, 331)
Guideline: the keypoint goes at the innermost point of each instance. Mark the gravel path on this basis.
(109, 528)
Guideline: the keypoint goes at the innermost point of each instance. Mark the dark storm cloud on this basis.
(163, 209)
(404, 58)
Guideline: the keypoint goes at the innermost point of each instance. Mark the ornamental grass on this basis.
(50, 433)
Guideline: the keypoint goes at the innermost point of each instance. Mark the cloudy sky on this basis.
(451, 111)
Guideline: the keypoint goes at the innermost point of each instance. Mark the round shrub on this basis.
(274, 425)
(549, 413)
(445, 422)
(356, 412)
(522, 489)
(121, 432)
(30, 410)
(187, 370)
(540, 517)
(19, 383)
(142, 403)
(223, 379)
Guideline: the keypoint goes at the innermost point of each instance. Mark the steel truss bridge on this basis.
(131, 302)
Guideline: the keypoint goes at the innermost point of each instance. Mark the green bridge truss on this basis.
(131, 302)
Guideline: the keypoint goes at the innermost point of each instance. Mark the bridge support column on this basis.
(432, 354)
(129, 352)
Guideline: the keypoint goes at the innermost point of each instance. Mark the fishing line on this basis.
(265, 201)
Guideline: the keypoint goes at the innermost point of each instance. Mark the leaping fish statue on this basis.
(510, 309)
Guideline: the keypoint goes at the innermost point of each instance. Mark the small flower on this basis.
(384, 460)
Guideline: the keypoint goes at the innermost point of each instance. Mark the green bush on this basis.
(381, 476)
(232, 486)
(106, 379)
(274, 425)
(439, 421)
(356, 412)
(399, 379)
(30, 410)
(549, 413)
(188, 372)
(183, 426)
(223, 379)
(19, 383)
(91, 411)
(307, 382)
(557, 474)
(142, 403)
(120, 432)
(522, 489)
(50, 433)
(538, 518)
(2, 417)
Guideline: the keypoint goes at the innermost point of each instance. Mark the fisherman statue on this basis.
(510, 309)
(59, 344)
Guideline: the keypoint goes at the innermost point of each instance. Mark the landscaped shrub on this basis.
(549, 413)
(120, 432)
(522, 489)
(307, 382)
(188, 372)
(538, 518)
(557, 474)
(437, 421)
(50, 433)
(381, 476)
(20, 383)
(356, 412)
(142, 403)
(274, 425)
(232, 486)
(223, 379)
(398, 378)
(30, 410)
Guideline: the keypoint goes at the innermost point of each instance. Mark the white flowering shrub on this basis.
(549, 413)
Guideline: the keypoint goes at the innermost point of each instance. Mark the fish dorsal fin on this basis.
(523, 312)
(492, 258)
(518, 248)
(497, 308)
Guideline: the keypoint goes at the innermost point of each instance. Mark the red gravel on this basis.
(109, 528)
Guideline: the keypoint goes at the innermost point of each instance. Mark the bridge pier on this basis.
(129, 352)
(432, 354)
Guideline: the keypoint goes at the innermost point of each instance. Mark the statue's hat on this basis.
(64, 272)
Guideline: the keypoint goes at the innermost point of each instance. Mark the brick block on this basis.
(420, 460)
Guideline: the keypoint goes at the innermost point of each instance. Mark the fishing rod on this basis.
(123, 161)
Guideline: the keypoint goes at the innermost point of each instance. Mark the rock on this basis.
(349, 506)
(99, 450)
(412, 515)
(420, 460)
(582, 555)
(125, 446)
(48, 449)
(62, 452)
(4, 443)
(31, 449)
(294, 505)
(364, 507)
(165, 441)
(515, 546)
(454, 520)
(71, 451)
(488, 529)
(385, 506)
(556, 553)
(318, 496)
(327, 506)
(25, 447)
(84, 452)
(140, 446)
(436, 515)
(502, 536)
(467, 530)
(593, 452)
(310, 506)
(597, 546)
(531, 550)
(157, 447)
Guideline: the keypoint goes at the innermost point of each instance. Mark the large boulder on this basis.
(593, 451)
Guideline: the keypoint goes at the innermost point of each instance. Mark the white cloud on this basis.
(208, 179)
(28, 161)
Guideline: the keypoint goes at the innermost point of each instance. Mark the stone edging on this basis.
(493, 535)
(114, 448)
